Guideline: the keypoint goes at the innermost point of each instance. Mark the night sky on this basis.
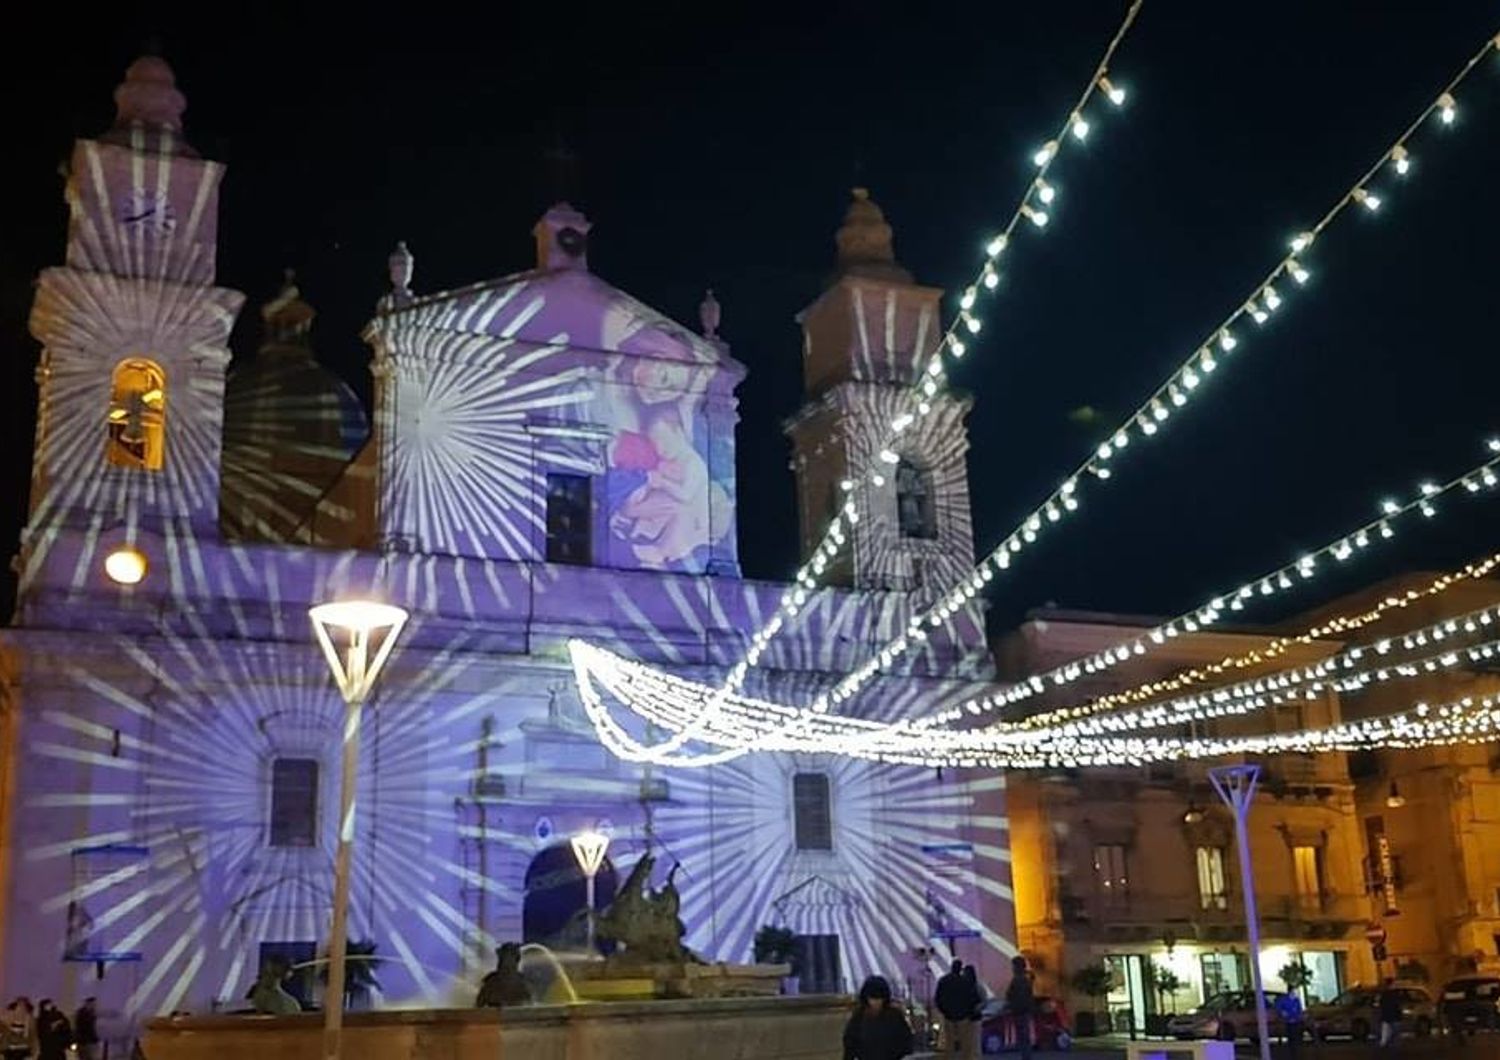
(715, 145)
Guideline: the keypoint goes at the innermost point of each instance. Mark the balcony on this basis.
(1149, 918)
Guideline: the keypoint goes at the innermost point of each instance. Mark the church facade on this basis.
(547, 459)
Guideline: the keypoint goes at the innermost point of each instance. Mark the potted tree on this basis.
(1295, 975)
(778, 945)
(1094, 981)
(1164, 983)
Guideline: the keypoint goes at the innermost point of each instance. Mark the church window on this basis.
(569, 519)
(812, 812)
(137, 415)
(915, 512)
(294, 802)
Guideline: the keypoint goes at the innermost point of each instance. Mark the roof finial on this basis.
(709, 314)
(864, 242)
(400, 266)
(149, 95)
(287, 318)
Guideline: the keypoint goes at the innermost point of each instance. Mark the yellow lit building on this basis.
(1136, 868)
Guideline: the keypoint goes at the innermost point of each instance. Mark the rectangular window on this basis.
(294, 802)
(1307, 871)
(569, 519)
(1211, 890)
(1110, 874)
(810, 806)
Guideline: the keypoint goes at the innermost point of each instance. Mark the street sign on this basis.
(1375, 933)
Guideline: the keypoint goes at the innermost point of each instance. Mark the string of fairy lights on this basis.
(932, 374)
(736, 724)
(1260, 304)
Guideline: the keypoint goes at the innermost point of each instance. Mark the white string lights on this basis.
(1263, 300)
(932, 377)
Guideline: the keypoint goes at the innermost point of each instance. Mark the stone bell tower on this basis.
(134, 334)
(864, 341)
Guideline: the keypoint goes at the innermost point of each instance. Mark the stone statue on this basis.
(505, 986)
(643, 922)
(268, 996)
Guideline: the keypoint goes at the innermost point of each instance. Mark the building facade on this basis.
(548, 458)
(1137, 870)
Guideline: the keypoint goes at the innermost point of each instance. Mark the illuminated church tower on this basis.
(863, 342)
(131, 377)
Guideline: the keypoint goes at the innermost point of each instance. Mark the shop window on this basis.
(294, 802)
(1110, 875)
(569, 519)
(812, 811)
(136, 421)
(1211, 890)
(916, 513)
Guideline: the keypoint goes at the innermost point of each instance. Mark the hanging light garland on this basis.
(1257, 308)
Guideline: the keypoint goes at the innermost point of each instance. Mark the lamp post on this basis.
(356, 637)
(588, 851)
(1236, 786)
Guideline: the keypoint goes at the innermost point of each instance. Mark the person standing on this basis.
(18, 1031)
(877, 1030)
(1289, 1008)
(956, 999)
(54, 1034)
(1020, 1004)
(1390, 1013)
(86, 1029)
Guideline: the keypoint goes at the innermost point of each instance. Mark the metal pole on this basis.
(590, 900)
(1236, 786)
(333, 996)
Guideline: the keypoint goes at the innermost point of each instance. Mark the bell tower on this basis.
(134, 334)
(864, 341)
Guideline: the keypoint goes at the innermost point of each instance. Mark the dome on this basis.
(865, 243)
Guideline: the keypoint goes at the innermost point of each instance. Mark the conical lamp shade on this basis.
(589, 848)
(357, 637)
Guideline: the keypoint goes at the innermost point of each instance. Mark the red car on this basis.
(997, 1033)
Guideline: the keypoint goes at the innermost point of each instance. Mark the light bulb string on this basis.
(931, 379)
(1143, 421)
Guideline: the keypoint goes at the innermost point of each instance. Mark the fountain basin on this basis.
(741, 1028)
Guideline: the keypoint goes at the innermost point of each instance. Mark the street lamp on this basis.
(588, 851)
(357, 637)
(1236, 786)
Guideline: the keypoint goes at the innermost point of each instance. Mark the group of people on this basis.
(46, 1033)
(878, 1029)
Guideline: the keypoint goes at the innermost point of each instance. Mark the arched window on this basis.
(137, 418)
(916, 515)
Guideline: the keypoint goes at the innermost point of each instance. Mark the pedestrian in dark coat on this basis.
(1020, 1004)
(54, 1034)
(877, 1030)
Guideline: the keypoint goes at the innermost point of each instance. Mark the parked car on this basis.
(1226, 1016)
(1470, 1002)
(1356, 1013)
(997, 1030)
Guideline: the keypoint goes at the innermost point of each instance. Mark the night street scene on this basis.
(751, 532)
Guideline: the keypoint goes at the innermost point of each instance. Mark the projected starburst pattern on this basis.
(483, 390)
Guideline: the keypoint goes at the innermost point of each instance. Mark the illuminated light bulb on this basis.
(1207, 362)
(1390, 507)
(1035, 216)
(1146, 424)
(1121, 439)
(1080, 127)
(877, 480)
(1045, 153)
(1493, 444)
(1489, 477)
(967, 301)
(1104, 451)
(1427, 509)
(1189, 378)
(1447, 108)
(1362, 539)
(1272, 299)
(1177, 396)
(956, 346)
(126, 565)
(1046, 192)
(1428, 489)
(929, 387)
(1282, 581)
(1070, 503)
(889, 456)
(1302, 241)
(923, 407)
(901, 422)
(973, 324)
(1102, 472)
(935, 367)
(1159, 410)
(1369, 201)
(1298, 273)
(997, 245)
(1227, 341)
(1386, 531)
(991, 277)
(1402, 160)
(1115, 93)
(1257, 314)
(1053, 515)
(846, 485)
